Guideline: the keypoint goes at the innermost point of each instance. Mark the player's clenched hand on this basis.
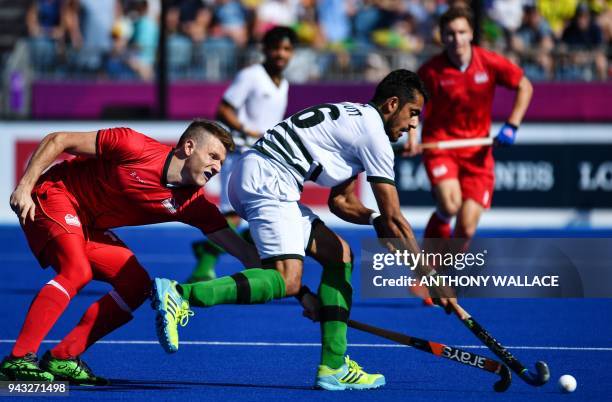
(385, 235)
(310, 303)
(23, 204)
(444, 297)
(506, 135)
(446, 303)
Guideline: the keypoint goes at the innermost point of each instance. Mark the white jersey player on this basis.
(255, 101)
(329, 144)
(258, 101)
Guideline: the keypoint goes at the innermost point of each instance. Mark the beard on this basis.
(388, 128)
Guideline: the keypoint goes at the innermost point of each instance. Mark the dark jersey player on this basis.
(461, 82)
(120, 178)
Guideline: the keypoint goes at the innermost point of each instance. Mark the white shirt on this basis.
(331, 143)
(258, 101)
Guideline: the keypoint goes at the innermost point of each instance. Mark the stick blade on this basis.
(543, 372)
(504, 382)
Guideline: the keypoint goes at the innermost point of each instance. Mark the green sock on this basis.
(205, 267)
(207, 253)
(250, 286)
(335, 296)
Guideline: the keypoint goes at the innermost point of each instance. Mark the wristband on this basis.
(373, 216)
(515, 127)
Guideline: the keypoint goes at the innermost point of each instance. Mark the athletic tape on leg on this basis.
(120, 302)
(60, 287)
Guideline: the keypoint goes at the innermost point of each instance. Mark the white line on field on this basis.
(353, 345)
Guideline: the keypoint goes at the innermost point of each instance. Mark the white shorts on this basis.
(266, 196)
(226, 171)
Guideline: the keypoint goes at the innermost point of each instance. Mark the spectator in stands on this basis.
(273, 13)
(426, 13)
(43, 21)
(507, 13)
(116, 63)
(334, 17)
(367, 19)
(229, 22)
(603, 10)
(505, 18)
(307, 27)
(533, 43)
(584, 39)
(305, 63)
(71, 23)
(144, 41)
(194, 18)
(216, 56)
(556, 13)
(98, 17)
(401, 35)
(179, 45)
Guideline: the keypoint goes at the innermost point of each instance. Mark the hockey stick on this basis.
(398, 149)
(445, 351)
(452, 144)
(537, 378)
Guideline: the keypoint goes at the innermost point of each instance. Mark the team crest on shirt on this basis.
(72, 220)
(481, 77)
(439, 170)
(170, 205)
(134, 175)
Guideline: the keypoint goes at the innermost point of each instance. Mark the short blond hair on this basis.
(199, 127)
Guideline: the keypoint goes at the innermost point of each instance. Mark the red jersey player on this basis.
(461, 82)
(121, 178)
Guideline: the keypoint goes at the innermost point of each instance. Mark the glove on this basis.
(310, 303)
(506, 135)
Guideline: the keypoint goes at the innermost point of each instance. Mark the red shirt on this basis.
(125, 185)
(460, 102)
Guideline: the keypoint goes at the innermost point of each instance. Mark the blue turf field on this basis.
(244, 353)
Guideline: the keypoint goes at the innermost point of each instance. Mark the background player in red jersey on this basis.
(461, 82)
(121, 178)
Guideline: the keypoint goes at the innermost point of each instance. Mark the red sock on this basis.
(101, 318)
(437, 227)
(44, 311)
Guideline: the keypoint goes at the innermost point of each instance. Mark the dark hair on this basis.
(277, 35)
(452, 14)
(199, 127)
(401, 83)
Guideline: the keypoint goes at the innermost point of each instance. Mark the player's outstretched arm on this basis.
(77, 143)
(228, 115)
(392, 225)
(344, 203)
(236, 246)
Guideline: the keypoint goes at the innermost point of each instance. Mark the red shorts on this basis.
(474, 170)
(56, 214)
